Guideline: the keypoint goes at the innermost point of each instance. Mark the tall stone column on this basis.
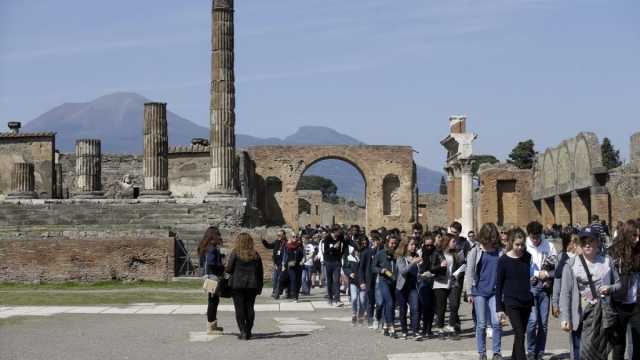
(223, 117)
(23, 182)
(155, 162)
(88, 169)
(451, 198)
(58, 188)
(467, 219)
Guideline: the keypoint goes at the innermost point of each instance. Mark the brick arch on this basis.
(288, 163)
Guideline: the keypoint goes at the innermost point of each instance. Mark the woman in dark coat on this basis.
(209, 251)
(245, 268)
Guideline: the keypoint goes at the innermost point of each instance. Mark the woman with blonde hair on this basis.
(245, 268)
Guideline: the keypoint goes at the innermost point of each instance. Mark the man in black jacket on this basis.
(334, 248)
(277, 247)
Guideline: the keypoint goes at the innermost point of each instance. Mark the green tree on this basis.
(326, 186)
(610, 156)
(482, 159)
(523, 155)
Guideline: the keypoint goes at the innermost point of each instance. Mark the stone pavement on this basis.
(169, 332)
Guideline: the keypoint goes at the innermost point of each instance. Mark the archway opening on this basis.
(333, 191)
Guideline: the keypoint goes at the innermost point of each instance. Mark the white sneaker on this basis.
(449, 329)
(339, 304)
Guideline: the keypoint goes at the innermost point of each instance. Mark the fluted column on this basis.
(223, 117)
(155, 162)
(88, 169)
(467, 219)
(23, 182)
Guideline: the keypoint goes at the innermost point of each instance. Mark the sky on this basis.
(385, 72)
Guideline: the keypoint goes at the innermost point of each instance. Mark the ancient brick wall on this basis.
(88, 257)
(624, 189)
(432, 210)
(38, 149)
(505, 196)
(279, 168)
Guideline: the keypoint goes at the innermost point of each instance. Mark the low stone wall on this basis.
(88, 256)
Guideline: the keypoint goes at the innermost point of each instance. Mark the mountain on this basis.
(117, 119)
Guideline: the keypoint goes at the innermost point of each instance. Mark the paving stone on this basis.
(296, 307)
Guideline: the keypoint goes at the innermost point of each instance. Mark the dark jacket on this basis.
(365, 271)
(385, 261)
(213, 261)
(333, 249)
(351, 266)
(276, 246)
(245, 274)
(431, 262)
(293, 257)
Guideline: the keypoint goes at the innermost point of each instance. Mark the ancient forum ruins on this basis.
(104, 216)
(145, 214)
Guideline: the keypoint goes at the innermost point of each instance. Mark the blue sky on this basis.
(385, 72)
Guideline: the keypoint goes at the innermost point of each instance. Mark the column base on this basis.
(88, 195)
(220, 195)
(155, 194)
(22, 195)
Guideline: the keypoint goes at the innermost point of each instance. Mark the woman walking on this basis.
(431, 266)
(407, 286)
(480, 283)
(209, 250)
(443, 284)
(587, 281)
(385, 266)
(292, 265)
(357, 286)
(513, 292)
(245, 268)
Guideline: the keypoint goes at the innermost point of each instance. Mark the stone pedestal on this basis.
(88, 169)
(22, 182)
(466, 180)
(223, 117)
(155, 162)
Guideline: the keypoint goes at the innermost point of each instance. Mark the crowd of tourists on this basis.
(410, 285)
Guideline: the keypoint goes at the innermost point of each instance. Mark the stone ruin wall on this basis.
(432, 210)
(87, 256)
(36, 148)
(624, 185)
(321, 212)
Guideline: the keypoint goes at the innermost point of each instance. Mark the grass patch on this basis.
(104, 285)
(109, 298)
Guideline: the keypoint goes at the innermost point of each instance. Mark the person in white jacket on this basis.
(543, 260)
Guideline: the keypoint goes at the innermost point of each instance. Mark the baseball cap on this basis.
(588, 232)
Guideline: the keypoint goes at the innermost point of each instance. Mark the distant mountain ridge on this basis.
(117, 119)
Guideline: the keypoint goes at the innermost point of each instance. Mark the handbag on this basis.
(210, 285)
(609, 315)
(224, 286)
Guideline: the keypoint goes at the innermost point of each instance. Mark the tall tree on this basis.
(443, 186)
(482, 159)
(523, 155)
(610, 156)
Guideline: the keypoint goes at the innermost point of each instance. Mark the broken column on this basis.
(23, 182)
(223, 118)
(58, 188)
(155, 162)
(88, 169)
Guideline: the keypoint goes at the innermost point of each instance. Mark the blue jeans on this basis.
(408, 299)
(386, 293)
(275, 277)
(486, 312)
(359, 300)
(333, 281)
(306, 279)
(575, 343)
(538, 324)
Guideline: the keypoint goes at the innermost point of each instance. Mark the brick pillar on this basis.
(451, 200)
(223, 102)
(548, 208)
(563, 213)
(155, 162)
(88, 169)
(580, 209)
(22, 181)
(600, 203)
